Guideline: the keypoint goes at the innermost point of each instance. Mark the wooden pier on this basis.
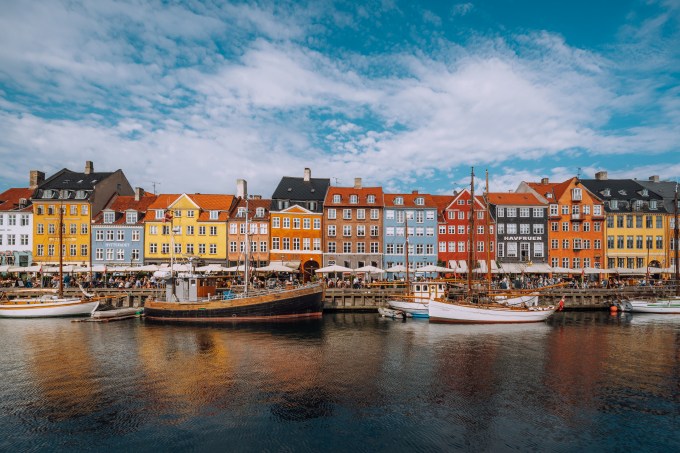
(369, 299)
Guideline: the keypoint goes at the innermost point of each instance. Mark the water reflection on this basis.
(353, 381)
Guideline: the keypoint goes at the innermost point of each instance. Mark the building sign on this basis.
(522, 238)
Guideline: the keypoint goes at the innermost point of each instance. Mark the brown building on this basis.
(257, 210)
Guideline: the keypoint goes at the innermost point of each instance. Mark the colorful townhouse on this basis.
(521, 228)
(410, 218)
(353, 224)
(668, 191)
(187, 228)
(455, 233)
(257, 211)
(118, 230)
(16, 227)
(638, 221)
(576, 223)
(442, 202)
(296, 223)
(80, 196)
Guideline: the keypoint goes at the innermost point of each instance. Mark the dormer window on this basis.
(241, 212)
(311, 205)
(645, 193)
(109, 216)
(81, 194)
(622, 192)
(607, 192)
(47, 194)
(354, 199)
(259, 212)
(576, 194)
(548, 195)
(131, 217)
(614, 204)
(420, 201)
(370, 199)
(160, 214)
(399, 201)
(336, 198)
(214, 215)
(652, 204)
(638, 205)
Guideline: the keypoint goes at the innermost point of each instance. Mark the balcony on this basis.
(577, 217)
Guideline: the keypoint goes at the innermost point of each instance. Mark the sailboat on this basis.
(667, 305)
(194, 298)
(475, 305)
(51, 304)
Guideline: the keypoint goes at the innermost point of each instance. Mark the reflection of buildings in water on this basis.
(62, 367)
(191, 368)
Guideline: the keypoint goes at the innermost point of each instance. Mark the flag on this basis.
(168, 216)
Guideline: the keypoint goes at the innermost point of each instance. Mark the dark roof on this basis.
(626, 191)
(665, 189)
(66, 179)
(299, 191)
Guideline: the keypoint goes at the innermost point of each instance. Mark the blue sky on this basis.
(406, 95)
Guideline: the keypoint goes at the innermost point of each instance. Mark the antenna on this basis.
(337, 180)
(578, 174)
(153, 183)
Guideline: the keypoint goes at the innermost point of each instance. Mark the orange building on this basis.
(575, 223)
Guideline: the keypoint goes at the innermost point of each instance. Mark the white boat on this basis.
(463, 312)
(670, 305)
(47, 307)
(417, 302)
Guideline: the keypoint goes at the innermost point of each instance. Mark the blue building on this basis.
(118, 230)
(418, 212)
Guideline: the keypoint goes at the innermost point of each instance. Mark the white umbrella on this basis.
(370, 270)
(397, 268)
(239, 268)
(4, 268)
(25, 269)
(333, 268)
(433, 268)
(210, 268)
(274, 267)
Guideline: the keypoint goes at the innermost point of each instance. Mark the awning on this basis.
(538, 268)
(290, 264)
(512, 268)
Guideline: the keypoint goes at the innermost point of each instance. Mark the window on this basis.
(213, 249)
(296, 243)
(201, 230)
(538, 249)
(398, 201)
(538, 228)
(201, 249)
(347, 230)
(331, 230)
(331, 247)
(554, 244)
(553, 210)
(306, 223)
(73, 209)
(276, 222)
(12, 219)
(500, 212)
(190, 229)
(83, 228)
(99, 235)
(565, 243)
(134, 255)
(501, 228)
(263, 245)
(597, 244)
(361, 230)
(120, 235)
(586, 226)
(524, 228)
(597, 210)
(39, 210)
(166, 230)
(73, 228)
(214, 215)
(512, 212)
(109, 254)
(374, 247)
(120, 254)
(286, 222)
(524, 212)
(375, 214)
(317, 224)
(337, 198)
(442, 246)
(40, 228)
(389, 214)
(361, 214)
(306, 244)
(619, 242)
(354, 199)
(332, 213)
(597, 226)
(99, 254)
(565, 209)
(538, 212)
(23, 239)
(347, 214)
(276, 243)
(659, 242)
(131, 217)
(346, 247)
(511, 228)
(165, 248)
(153, 248)
(374, 230)
(361, 247)
(565, 226)
(109, 235)
(512, 249)
(461, 246)
(576, 194)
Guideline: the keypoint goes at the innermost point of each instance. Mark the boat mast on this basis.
(677, 243)
(247, 256)
(61, 251)
(472, 229)
(168, 216)
(488, 233)
(408, 280)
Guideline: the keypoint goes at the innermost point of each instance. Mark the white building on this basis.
(16, 227)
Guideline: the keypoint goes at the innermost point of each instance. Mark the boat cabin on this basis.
(191, 288)
(428, 290)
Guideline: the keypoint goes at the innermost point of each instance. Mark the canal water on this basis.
(348, 382)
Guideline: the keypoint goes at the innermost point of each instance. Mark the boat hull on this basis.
(449, 312)
(530, 300)
(669, 306)
(306, 303)
(36, 308)
(416, 309)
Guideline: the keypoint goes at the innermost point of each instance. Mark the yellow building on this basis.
(79, 197)
(194, 224)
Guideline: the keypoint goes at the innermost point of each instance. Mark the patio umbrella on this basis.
(398, 268)
(370, 270)
(274, 267)
(333, 268)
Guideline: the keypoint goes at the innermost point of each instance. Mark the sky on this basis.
(189, 96)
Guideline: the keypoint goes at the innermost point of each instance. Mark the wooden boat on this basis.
(48, 306)
(476, 306)
(195, 299)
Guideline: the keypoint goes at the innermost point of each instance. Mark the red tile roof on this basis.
(9, 199)
(556, 189)
(121, 203)
(410, 200)
(512, 198)
(362, 193)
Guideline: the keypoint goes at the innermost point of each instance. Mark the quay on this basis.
(369, 299)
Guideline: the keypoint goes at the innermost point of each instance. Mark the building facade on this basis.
(187, 227)
(79, 197)
(414, 216)
(575, 220)
(257, 210)
(353, 224)
(16, 227)
(521, 227)
(118, 230)
(296, 223)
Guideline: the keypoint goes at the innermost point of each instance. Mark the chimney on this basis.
(545, 181)
(241, 188)
(35, 178)
(89, 167)
(414, 192)
(139, 193)
(654, 178)
(256, 197)
(357, 183)
(308, 174)
(601, 175)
